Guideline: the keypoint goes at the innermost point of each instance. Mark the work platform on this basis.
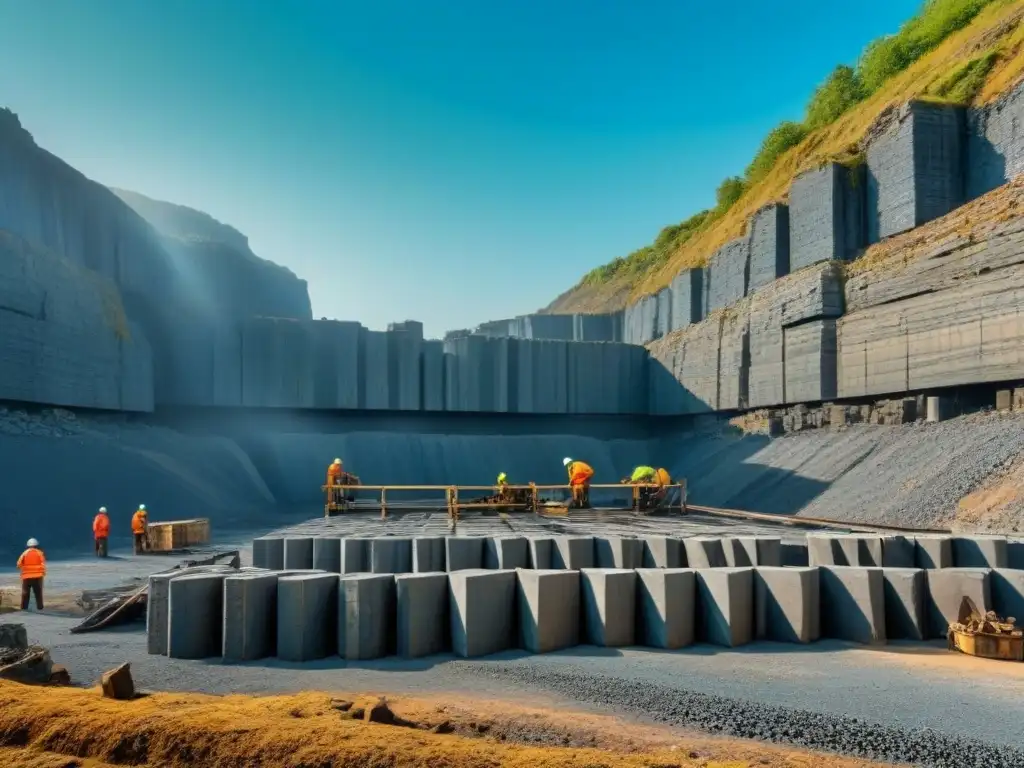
(544, 500)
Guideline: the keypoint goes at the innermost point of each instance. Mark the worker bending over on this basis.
(32, 565)
(504, 492)
(654, 485)
(140, 529)
(101, 532)
(580, 474)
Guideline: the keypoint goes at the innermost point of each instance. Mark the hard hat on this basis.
(31, 543)
(337, 461)
(502, 477)
(103, 510)
(566, 461)
(142, 507)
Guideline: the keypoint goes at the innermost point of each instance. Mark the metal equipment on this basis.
(985, 635)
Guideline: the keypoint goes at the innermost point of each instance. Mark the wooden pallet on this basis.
(178, 534)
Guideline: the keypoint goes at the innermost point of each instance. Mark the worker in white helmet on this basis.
(101, 532)
(32, 565)
(140, 529)
(580, 474)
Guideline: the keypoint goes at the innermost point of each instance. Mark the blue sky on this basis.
(450, 161)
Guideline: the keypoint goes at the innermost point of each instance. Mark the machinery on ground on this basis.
(985, 635)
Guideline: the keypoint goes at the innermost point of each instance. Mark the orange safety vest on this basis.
(32, 564)
(334, 473)
(101, 526)
(579, 473)
(663, 477)
(139, 522)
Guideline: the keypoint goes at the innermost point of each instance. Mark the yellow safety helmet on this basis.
(502, 477)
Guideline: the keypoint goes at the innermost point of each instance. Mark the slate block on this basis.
(609, 606)
(156, 613)
(307, 616)
(327, 554)
(1015, 554)
(428, 554)
(573, 553)
(853, 603)
(786, 604)
(663, 552)
(618, 552)
(195, 607)
(250, 616)
(268, 552)
(898, 552)
(844, 549)
(541, 553)
(826, 216)
(769, 245)
(549, 609)
(704, 552)
(794, 553)
(946, 589)
(298, 553)
(366, 611)
(483, 611)
(422, 608)
(743, 551)
(390, 555)
(464, 553)
(933, 551)
(354, 555)
(1008, 593)
(667, 600)
(905, 593)
(687, 298)
(506, 553)
(726, 605)
(979, 552)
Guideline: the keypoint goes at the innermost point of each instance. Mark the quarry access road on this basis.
(900, 703)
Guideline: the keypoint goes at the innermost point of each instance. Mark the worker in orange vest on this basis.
(580, 474)
(139, 525)
(101, 531)
(32, 565)
(335, 471)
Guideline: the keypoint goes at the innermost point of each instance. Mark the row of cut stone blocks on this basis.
(305, 615)
(454, 553)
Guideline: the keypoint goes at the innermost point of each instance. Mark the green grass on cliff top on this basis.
(954, 51)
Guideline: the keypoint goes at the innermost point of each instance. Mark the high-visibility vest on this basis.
(101, 526)
(32, 564)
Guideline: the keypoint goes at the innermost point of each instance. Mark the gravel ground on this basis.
(830, 696)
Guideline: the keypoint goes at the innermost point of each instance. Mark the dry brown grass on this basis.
(998, 28)
(306, 730)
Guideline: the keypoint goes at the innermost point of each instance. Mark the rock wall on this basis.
(995, 143)
(687, 298)
(769, 245)
(726, 275)
(826, 215)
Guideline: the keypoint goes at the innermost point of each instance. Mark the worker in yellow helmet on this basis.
(580, 474)
(504, 492)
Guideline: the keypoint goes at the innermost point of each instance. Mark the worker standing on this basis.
(101, 531)
(335, 470)
(580, 474)
(32, 565)
(140, 524)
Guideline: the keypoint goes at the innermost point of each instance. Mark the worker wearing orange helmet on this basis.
(101, 531)
(580, 474)
(32, 565)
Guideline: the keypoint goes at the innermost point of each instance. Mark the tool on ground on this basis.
(985, 635)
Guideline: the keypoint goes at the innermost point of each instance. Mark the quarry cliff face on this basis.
(180, 298)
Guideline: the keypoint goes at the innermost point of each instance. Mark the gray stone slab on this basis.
(744, 551)
(428, 554)
(355, 555)
(609, 606)
(704, 552)
(844, 550)
(933, 551)
(786, 604)
(541, 549)
(194, 616)
(905, 593)
(327, 554)
(156, 613)
(947, 587)
(268, 552)
(898, 552)
(482, 608)
(506, 553)
(464, 553)
(1015, 554)
(422, 614)
(1008, 593)
(390, 555)
(573, 553)
(549, 609)
(618, 552)
(853, 603)
(298, 553)
(307, 616)
(979, 552)
(663, 552)
(366, 611)
(250, 617)
(726, 605)
(795, 553)
(667, 606)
